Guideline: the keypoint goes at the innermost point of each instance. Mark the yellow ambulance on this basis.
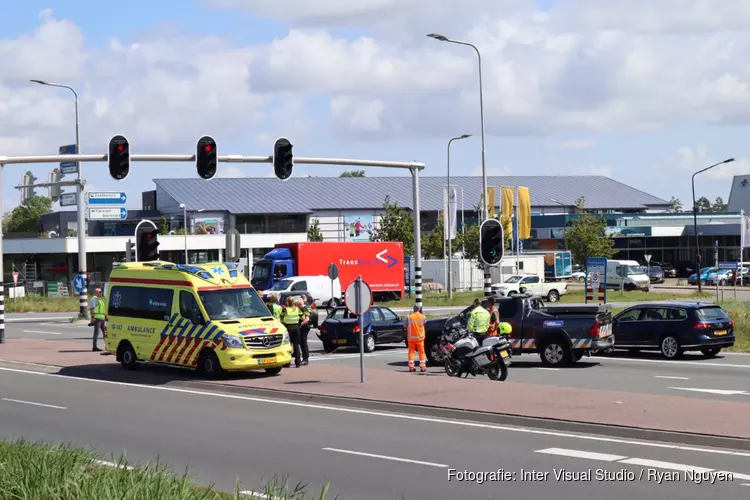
(206, 317)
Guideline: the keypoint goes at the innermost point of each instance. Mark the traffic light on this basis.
(129, 247)
(119, 157)
(283, 159)
(27, 191)
(491, 242)
(206, 158)
(55, 191)
(148, 246)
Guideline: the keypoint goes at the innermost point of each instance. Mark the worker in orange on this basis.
(415, 334)
(494, 317)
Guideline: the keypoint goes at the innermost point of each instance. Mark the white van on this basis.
(628, 273)
(318, 286)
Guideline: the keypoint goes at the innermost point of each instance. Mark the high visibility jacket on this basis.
(276, 310)
(290, 316)
(415, 327)
(479, 321)
(97, 306)
(494, 322)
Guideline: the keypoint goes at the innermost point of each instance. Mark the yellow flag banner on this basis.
(506, 209)
(491, 202)
(524, 213)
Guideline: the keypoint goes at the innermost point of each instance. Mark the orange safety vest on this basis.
(416, 327)
(494, 322)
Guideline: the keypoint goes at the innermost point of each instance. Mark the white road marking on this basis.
(45, 318)
(722, 392)
(674, 362)
(664, 465)
(743, 477)
(384, 414)
(671, 378)
(253, 494)
(34, 404)
(42, 332)
(547, 369)
(386, 457)
(3, 360)
(350, 356)
(581, 454)
(112, 464)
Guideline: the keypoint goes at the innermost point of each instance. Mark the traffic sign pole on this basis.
(333, 273)
(361, 331)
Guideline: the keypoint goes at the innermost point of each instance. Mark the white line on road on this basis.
(671, 378)
(350, 356)
(581, 454)
(722, 392)
(253, 494)
(664, 465)
(34, 404)
(26, 319)
(42, 332)
(675, 362)
(547, 369)
(112, 464)
(384, 414)
(386, 457)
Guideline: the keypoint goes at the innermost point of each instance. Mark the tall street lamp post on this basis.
(449, 222)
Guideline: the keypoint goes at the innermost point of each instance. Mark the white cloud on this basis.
(578, 144)
(692, 159)
(230, 172)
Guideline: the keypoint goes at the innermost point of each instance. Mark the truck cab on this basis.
(275, 266)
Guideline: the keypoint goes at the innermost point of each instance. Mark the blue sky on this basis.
(568, 90)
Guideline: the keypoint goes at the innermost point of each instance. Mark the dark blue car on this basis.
(381, 326)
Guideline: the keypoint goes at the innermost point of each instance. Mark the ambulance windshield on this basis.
(233, 303)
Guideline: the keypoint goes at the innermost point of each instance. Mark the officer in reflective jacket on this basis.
(415, 334)
(290, 316)
(98, 316)
(479, 321)
(275, 307)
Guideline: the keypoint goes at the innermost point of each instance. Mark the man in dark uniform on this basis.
(304, 328)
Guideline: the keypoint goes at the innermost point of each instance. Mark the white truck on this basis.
(531, 284)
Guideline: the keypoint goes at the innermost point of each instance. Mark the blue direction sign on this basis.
(106, 198)
(79, 283)
(108, 213)
(68, 167)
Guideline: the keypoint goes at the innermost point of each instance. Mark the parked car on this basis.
(531, 284)
(704, 272)
(722, 277)
(560, 334)
(341, 328)
(579, 276)
(656, 274)
(669, 270)
(673, 328)
(283, 296)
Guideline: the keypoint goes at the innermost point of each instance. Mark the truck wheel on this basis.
(553, 296)
(127, 356)
(555, 353)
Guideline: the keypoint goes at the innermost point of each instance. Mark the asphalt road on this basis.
(365, 455)
(725, 377)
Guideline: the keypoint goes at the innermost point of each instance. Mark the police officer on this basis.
(479, 321)
(304, 328)
(290, 316)
(275, 307)
(98, 316)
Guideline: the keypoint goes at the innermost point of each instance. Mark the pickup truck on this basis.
(532, 285)
(561, 335)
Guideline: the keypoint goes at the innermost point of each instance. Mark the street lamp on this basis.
(695, 224)
(448, 216)
(84, 306)
(485, 213)
(185, 227)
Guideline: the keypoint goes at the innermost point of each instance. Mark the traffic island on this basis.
(629, 415)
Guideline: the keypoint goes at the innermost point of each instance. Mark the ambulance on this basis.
(207, 317)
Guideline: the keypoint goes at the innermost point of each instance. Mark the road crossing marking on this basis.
(41, 332)
(386, 457)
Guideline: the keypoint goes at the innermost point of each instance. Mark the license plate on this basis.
(720, 332)
(503, 354)
(267, 361)
(339, 341)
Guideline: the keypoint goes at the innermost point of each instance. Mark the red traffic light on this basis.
(120, 148)
(208, 148)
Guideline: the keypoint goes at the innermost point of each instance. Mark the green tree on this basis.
(432, 242)
(164, 225)
(469, 239)
(396, 224)
(25, 218)
(675, 205)
(719, 205)
(703, 204)
(353, 173)
(587, 237)
(313, 231)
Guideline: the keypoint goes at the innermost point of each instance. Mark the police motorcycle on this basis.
(464, 355)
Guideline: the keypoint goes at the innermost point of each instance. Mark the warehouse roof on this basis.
(305, 194)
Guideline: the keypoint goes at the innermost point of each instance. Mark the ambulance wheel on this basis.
(273, 371)
(208, 365)
(127, 356)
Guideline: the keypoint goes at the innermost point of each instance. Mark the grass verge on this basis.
(740, 313)
(41, 304)
(41, 471)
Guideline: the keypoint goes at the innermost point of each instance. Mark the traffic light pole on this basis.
(413, 167)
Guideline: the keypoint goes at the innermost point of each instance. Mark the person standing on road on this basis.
(98, 316)
(275, 306)
(492, 331)
(304, 329)
(290, 316)
(479, 321)
(415, 338)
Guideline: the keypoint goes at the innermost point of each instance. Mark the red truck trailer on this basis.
(380, 264)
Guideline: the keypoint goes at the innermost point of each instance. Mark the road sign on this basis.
(233, 247)
(358, 297)
(728, 265)
(79, 283)
(68, 167)
(333, 271)
(15, 278)
(647, 257)
(108, 213)
(106, 198)
(68, 199)
(596, 278)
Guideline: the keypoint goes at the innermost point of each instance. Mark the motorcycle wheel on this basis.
(497, 371)
(450, 369)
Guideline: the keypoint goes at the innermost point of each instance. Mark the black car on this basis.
(341, 328)
(283, 296)
(669, 270)
(656, 274)
(673, 328)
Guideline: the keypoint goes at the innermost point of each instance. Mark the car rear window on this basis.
(342, 313)
(711, 314)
